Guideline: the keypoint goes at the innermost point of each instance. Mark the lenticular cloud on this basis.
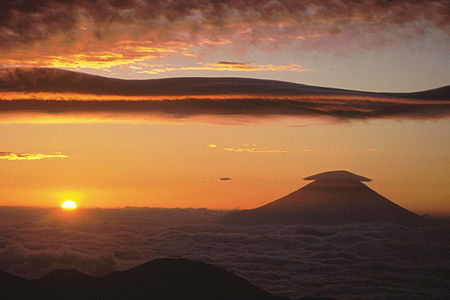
(55, 93)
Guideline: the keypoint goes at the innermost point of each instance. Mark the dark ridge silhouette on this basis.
(13, 287)
(64, 280)
(157, 280)
(335, 197)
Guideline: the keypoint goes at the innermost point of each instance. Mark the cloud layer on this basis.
(53, 91)
(378, 261)
(343, 109)
(101, 34)
(229, 66)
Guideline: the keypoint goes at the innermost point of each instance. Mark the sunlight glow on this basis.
(69, 204)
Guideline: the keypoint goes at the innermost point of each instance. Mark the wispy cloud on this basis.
(102, 34)
(229, 66)
(121, 53)
(253, 148)
(29, 156)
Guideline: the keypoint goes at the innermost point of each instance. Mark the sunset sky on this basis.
(215, 159)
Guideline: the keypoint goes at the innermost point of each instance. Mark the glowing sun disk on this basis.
(68, 205)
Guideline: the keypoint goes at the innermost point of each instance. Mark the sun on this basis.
(69, 204)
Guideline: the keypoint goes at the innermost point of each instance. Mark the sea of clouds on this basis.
(371, 261)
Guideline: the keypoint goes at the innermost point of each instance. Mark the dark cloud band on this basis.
(31, 21)
(232, 107)
(52, 91)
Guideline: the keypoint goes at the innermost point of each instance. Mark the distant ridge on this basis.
(335, 197)
(58, 80)
(159, 279)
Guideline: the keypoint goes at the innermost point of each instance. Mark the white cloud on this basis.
(373, 261)
(29, 156)
(253, 148)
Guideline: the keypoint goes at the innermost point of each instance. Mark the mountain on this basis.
(334, 197)
(158, 279)
(61, 281)
(63, 81)
(13, 287)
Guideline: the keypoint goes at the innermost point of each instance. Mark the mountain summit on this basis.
(334, 197)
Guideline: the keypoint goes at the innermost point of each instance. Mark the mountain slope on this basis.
(13, 287)
(157, 280)
(336, 197)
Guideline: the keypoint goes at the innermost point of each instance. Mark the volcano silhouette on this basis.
(334, 197)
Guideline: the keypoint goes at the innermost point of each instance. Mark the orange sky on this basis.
(179, 164)
(106, 155)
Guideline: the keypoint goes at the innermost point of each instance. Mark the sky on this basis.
(217, 162)
(374, 45)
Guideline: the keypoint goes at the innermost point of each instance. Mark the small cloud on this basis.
(30, 156)
(300, 125)
(228, 66)
(225, 179)
(191, 54)
(248, 67)
(252, 148)
(305, 36)
(373, 149)
(212, 146)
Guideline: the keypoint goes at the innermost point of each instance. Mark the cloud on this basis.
(225, 178)
(216, 106)
(121, 53)
(74, 32)
(230, 66)
(253, 148)
(58, 92)
(212, 146)
(29, 156)
(370, 261)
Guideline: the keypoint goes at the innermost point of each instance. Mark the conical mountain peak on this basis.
(334, 197)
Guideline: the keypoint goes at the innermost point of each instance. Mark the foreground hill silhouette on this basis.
(334, 197)
(158, 279)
